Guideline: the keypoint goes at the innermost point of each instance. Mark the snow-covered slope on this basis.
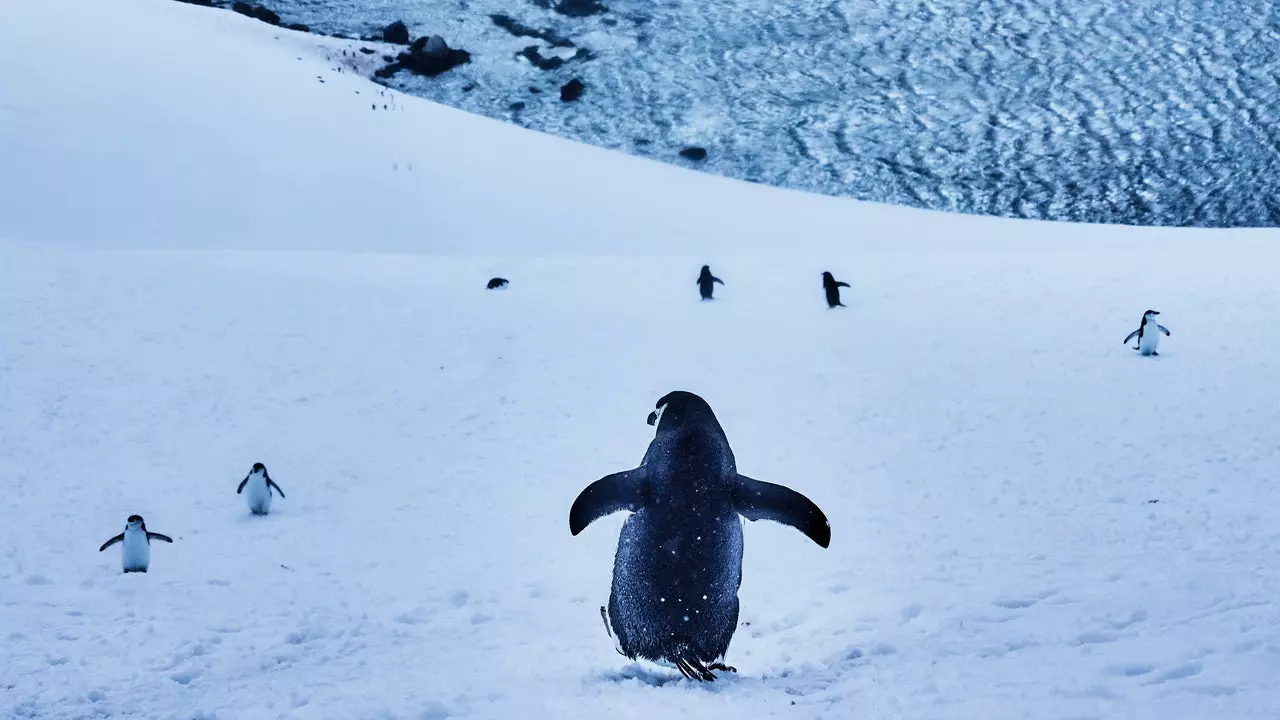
(211, 258)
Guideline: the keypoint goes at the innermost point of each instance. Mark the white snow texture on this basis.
(215, 252)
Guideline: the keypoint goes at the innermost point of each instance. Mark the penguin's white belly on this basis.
(137, 552)
(1150, 340)
(258, 495)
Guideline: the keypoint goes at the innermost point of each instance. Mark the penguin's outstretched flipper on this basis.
(272, 484)
(158, 536)
(112, 541)
(242, 482)
(1132, 335)
(758, 500)
(1164, 330)
(716, 279)
(842, 284)
(609, 494)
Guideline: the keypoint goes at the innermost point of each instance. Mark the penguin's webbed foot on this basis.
(694, 669)
(722, 666)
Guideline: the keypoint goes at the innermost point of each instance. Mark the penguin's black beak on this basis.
(653, 418)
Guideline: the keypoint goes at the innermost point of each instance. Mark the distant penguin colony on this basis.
(258, 484)
(832, 289)
(678, 566)
(707, 282)
(1148, 334)
(135, 555)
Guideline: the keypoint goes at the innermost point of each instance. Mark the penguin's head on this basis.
(258, 468)
(706, 270)
(828, 278)
(678, 407)
(135, 521)
(1150, 313)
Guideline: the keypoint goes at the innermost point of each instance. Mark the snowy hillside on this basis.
(215, 251)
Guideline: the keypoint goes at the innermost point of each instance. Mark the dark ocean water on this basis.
(1116, 111)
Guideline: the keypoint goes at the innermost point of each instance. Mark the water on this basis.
(1151, 112)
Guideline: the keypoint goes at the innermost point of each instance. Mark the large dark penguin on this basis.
(678, 566)
(832, 288)
(707, 282)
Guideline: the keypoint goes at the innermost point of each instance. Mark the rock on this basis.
(545, 63)
(516, 106)
(299, 27)
(257, 12)
(434, 46)
(368, 51)
(579, 8)
(508, 23)
(396, 33)
(694, 153)
(427, 56)
(572, 90)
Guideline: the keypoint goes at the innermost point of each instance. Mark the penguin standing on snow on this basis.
(259, 484)
(496, 284)
(136, 554)
(1148, 334)
(707, 282)
(678, 566)
(832, 288)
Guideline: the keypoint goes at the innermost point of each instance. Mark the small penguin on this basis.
(678, 566)
(707, 281)
(1148, 334)
(136, 554)
(259, 484)
(496, 284)
(832, 288)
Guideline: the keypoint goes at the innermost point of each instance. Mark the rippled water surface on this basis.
(1123, 111)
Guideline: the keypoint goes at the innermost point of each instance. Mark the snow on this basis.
(209, 258)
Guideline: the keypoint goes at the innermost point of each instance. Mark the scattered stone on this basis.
(511, 25)
(545, 63)
(516, 106)
(257, 12)
(579, 8)
(299, 27)
(694, 153)
(368, 51)
(396, 33)
(468, 87)
(572, 90)
(535, 90)
(201, 3)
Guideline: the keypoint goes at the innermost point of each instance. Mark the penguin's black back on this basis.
(679, 560)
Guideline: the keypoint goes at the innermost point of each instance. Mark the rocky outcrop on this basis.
(572, 90)
(257, 12)
(396, 33)
(694, 153)
(428, 56)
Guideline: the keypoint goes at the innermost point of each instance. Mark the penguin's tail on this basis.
(690, 666)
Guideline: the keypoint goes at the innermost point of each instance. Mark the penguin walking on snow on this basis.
(707, 282)
(135, 556)
(678, 566)
(832, 288)
(259, 485)
(1148, 334)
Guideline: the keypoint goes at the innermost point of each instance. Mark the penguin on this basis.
(136, 554)
(496, 284)
(832, 287)
(678, 566)
(707, 281)
(1148, 334)
(259, 484)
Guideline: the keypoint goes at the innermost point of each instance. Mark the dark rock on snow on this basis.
(299, 27)
(579, 8)
(396, 33)
(201, 3)
(572, 90)
(694, 153)
(368, 51)
(427, 56)
(257, 12)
